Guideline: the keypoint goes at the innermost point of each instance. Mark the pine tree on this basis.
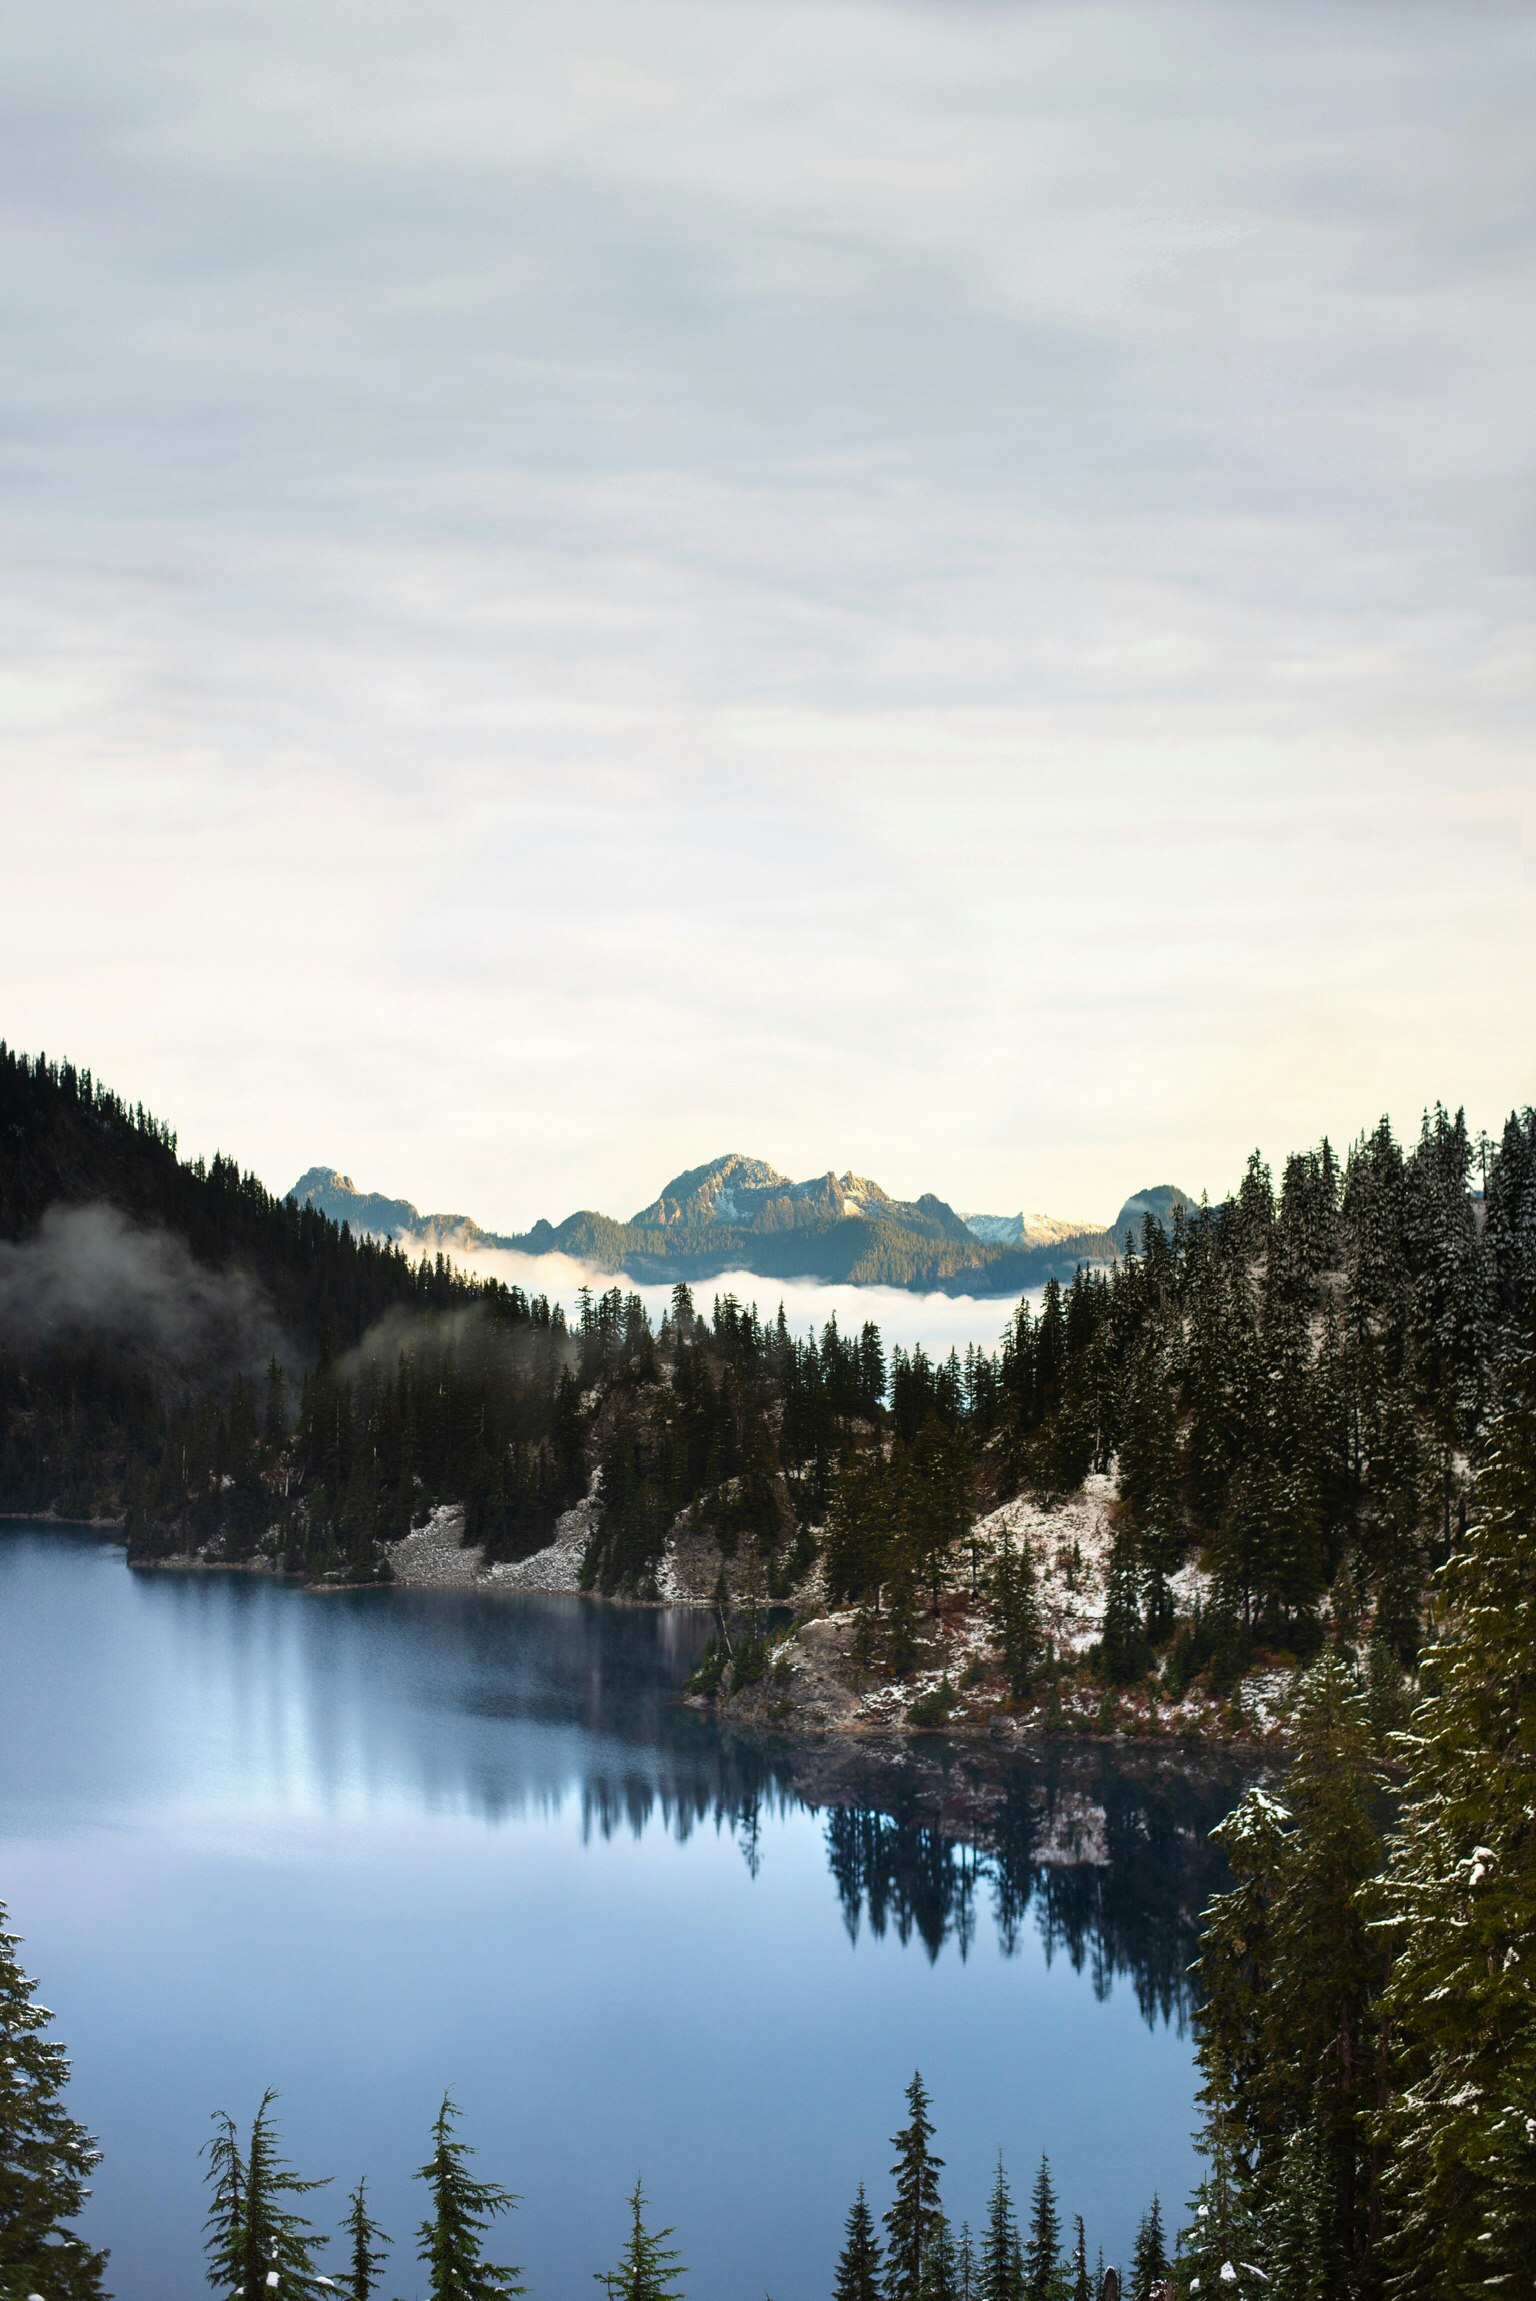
(255, 2239)
(1219, 2251)
(1124, 1650)
(967, 2282)
(858, 2265)
(1299, 2239)
(367, 2247)
(648, 2270)
(1149, 2261)
(943, 2275)
(1045, 2277)
(1001, 2272)
(1082, 2287)
(913, 2221)
(46, 2158)
(1015, 1616)
(1292, 1967)
(1461, 1903)
(450, 2240)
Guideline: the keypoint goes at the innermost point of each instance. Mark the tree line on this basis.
(1290, 1388)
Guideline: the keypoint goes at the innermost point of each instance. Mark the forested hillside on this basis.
(1289, 1390)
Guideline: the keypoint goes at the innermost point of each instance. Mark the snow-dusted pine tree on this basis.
(255, 2239)
(1292, 1969)
(367, 2247)
(1149, 2260)
(46, 2157)
(1045, 2273)
(1459, 2128)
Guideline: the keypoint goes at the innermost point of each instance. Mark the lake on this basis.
(363, 1847)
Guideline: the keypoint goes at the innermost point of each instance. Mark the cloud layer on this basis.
(934, 587)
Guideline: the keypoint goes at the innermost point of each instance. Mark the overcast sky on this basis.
(939, 588)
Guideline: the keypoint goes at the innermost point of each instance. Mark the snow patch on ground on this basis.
(1069, 1542)
(433, 1557)
(557, 1567)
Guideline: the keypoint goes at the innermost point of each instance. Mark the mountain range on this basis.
(738, 1213)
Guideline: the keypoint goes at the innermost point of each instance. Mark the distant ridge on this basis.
(739, 1213)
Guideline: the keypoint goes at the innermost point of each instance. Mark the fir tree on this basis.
(1001, 2269)
(1149, 2260)
(1082, 2286)
(255, 2238)
(967, 2281)
(45, 2156)
(1015, 1616)
(450, 2239)
(1045, 2277)
(913, 2221)
(1299, 2240)
(1461, 1903)
(648, 2270)
(858, 2265)
(1292, 1969)
(1124, 1649)
(1219, 2251)
(943, 2276)
(367, 2247)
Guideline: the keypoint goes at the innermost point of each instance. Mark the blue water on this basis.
(363, 1847)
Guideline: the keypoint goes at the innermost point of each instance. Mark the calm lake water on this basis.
(363, 1847)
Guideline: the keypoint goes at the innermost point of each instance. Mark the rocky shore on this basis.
(816, 1677)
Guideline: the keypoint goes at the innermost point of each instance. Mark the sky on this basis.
(942, 587)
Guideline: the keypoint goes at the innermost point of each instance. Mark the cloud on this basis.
(939, 1322)
(937, 589)
(89, 1274)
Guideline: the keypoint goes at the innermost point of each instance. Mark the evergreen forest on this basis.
(1290, 1391)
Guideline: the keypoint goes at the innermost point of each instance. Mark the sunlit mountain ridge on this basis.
(740, 1213)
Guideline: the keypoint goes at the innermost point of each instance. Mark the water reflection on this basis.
(359, 1845)
(1110, 1849)
(237, 1690)
(1107, 1849)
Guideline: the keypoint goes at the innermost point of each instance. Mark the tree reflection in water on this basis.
(1105, 1849)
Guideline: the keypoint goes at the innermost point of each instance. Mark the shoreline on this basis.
(810, 1693)
(52, 1518)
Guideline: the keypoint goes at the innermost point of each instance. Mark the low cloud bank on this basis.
(940, 1322)
(90, 1272)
